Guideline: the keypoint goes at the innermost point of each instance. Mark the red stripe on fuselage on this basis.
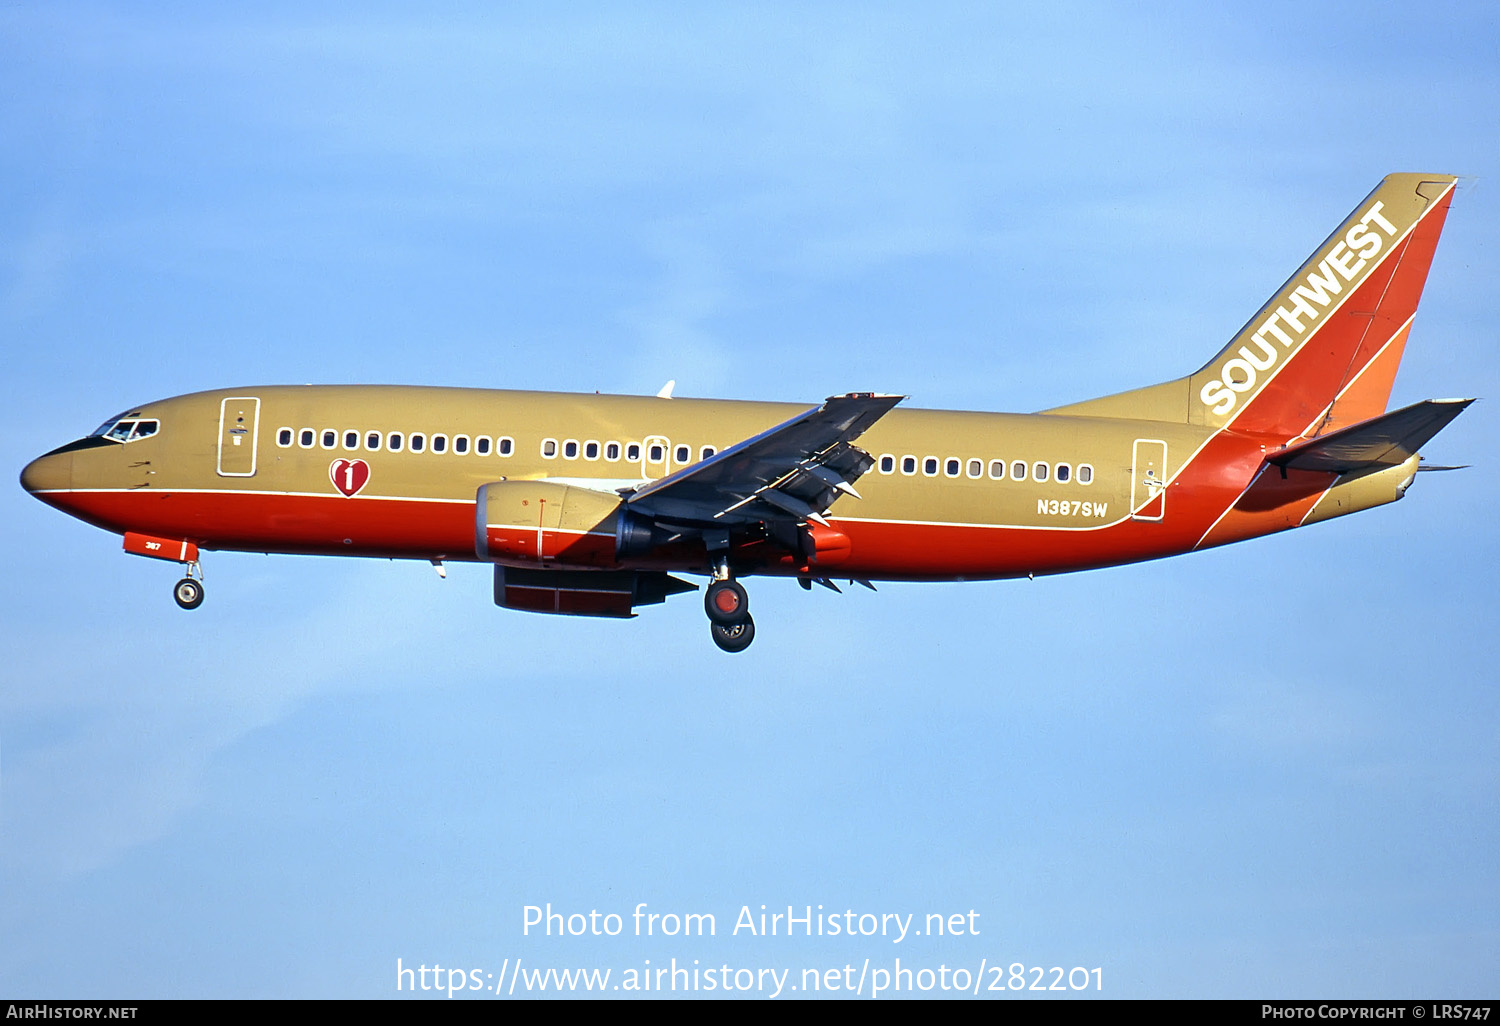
(295, 524)
(429, 528)
(1196, 498)
(1274, 502)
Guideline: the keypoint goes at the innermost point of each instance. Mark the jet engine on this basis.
(546, 523)
(583, 592)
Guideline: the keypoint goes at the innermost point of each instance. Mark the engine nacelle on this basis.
(583, 592)
(546, 523)
(636, 536)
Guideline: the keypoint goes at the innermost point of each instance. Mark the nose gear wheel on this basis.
(188, 593)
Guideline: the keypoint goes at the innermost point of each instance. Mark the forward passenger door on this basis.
(239, 417)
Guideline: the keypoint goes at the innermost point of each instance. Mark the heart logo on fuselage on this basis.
(349, 476)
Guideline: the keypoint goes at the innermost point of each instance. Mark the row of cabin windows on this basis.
(395, 441)
(482, 445)
(656, 451)
(998, 470)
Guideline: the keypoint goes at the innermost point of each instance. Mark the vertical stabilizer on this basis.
(1322, 353)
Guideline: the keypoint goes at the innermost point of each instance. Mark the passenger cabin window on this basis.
(306, 438)
(505, 446)
(1063, 472)
(549, 448)
(633, 452)
(416, 442)
(439, 443)
(372, 441)
(976, 468)
(591, 450)
(683, 454)
(887, 464)
(706, 452)
(908, 464)
(951, 467)
(997, 470)
(1085, 474)
(929, 466)
(460, 444)
(1039, 471)
(612, 451)
(482, 445)
(658, 453)
(330, 439)
(284, 437)
(351, 440)
(1018, 471)
(570, 450)
(393, 441)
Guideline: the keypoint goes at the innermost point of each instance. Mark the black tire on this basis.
(726, 603)
(733, 637)
(188, 593)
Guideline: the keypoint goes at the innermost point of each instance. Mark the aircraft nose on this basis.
(52, 472)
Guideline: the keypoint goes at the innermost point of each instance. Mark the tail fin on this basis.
(1323, 352)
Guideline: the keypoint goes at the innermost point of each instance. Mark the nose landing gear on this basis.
(188, 592)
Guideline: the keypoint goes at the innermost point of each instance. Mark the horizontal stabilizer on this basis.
(1384, 441)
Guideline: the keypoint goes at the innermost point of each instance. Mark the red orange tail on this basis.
(1323, 351)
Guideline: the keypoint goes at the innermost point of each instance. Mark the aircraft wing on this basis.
(1384, 441)
(793, 472)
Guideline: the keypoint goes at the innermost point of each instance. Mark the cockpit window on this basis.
(128, 429)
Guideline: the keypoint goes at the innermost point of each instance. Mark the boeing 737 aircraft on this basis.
(587, 504)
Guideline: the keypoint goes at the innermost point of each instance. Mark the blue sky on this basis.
(1264, 770)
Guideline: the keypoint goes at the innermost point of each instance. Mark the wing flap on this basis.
(792, 471)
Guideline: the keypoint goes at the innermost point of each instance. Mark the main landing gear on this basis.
(189, 591)
(728, 608)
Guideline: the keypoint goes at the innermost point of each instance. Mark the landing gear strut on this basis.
(728, 607)
(189, 591)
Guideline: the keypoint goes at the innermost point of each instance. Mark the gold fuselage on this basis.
(944, 499)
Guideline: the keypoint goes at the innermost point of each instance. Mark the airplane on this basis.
(587, 505)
